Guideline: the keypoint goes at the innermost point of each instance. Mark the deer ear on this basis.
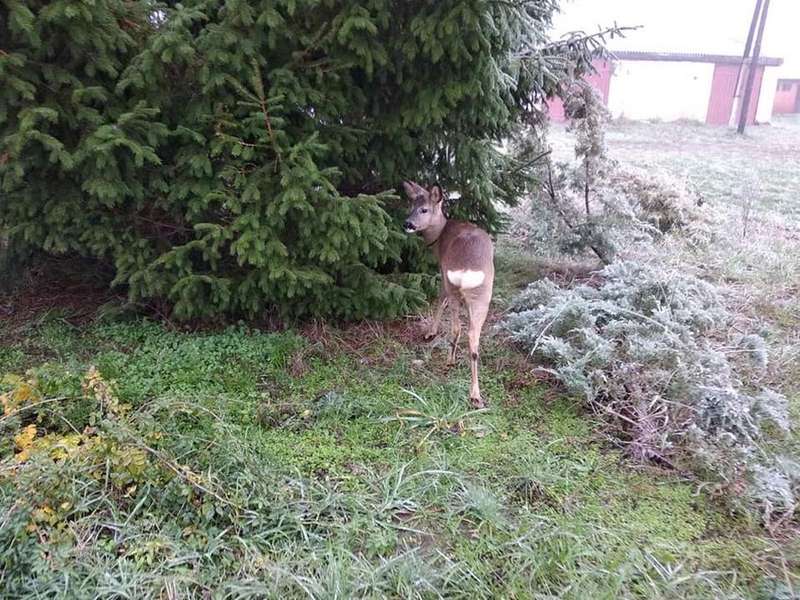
(412, 189)
(436, 195)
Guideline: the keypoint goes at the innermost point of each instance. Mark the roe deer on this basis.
(466, 261)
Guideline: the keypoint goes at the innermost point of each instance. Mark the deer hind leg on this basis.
(478, 309)
(455, 325)
(433, 330)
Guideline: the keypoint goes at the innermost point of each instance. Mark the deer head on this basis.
(426, 209)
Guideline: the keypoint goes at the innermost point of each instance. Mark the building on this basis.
(787, 97)
(671, 86)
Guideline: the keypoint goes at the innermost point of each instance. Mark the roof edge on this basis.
(724, 59)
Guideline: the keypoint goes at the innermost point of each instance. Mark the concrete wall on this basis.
(769, 86)
(661, 90)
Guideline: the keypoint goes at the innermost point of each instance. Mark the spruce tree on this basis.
(232, 156)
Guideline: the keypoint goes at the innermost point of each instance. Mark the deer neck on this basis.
(432, 234)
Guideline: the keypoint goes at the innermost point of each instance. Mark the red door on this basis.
(723, 90)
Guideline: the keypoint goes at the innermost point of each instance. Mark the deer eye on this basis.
(423, 210)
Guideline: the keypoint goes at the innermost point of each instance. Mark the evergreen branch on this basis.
(586, 188)
(533, 161)
(551, 192)
(316, 40)
(265, 109)
(162, 224)
(584, 40)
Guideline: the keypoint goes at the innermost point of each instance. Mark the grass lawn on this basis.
(344, 463)
(330, 462)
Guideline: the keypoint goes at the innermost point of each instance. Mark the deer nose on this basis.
(409, 226)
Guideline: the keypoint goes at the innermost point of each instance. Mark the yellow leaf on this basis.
(45, 514)
(24, 439)
(63, 446)
(103, 391)
(24, 392)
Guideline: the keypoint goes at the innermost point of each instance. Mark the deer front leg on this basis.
(441, 304)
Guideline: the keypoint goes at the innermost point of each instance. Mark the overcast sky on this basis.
(707, 26)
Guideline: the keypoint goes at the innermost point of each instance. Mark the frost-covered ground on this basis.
(751, 187)
(760, 169)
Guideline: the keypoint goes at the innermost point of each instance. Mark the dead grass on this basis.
(56, 285)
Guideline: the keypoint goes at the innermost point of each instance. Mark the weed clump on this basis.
(661, 200)
(594, 205)
(649, 351)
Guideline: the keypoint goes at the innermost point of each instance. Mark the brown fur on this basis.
(458, 246)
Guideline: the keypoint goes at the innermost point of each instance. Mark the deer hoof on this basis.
(477, 403)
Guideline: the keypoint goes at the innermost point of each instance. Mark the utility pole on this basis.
(751, 71)
(737, 93)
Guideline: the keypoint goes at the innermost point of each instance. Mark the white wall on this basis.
(661, 90)
(769, 87)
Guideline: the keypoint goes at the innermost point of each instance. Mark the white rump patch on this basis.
(466, 279)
